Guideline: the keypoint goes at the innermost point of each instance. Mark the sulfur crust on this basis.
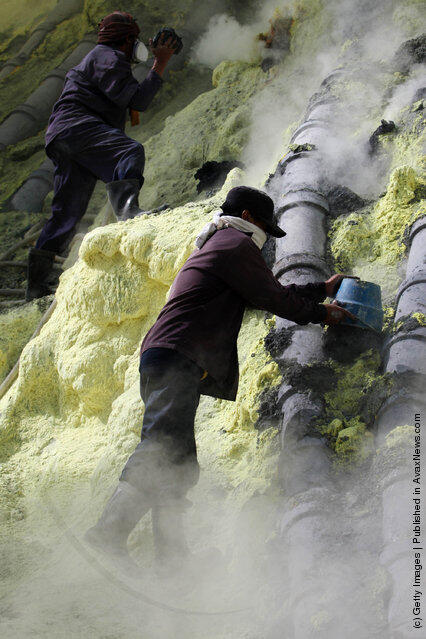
(16, 328)
(74, 414)
(370, 242)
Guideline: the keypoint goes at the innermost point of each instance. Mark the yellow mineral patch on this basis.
(219, 122)
(370, 242)
(17, 15)
(16, 328)
(74, 414)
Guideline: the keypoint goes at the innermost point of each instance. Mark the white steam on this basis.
(226, 39)
(405, 93)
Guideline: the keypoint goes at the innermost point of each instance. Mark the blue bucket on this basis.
(362, 299)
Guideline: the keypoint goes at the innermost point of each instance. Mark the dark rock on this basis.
(346, 343)
(269, 412)
(317, 377)
(407, 324)
(267, 63)
(342, 200)
(278, 340)
(384, 128)
(419, 194)
(420, 94)
(409, 53)
(268, 251)
(213, 174)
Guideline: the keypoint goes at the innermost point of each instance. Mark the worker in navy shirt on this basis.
(85, 138)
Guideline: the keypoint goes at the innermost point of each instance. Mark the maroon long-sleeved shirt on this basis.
(203, 315)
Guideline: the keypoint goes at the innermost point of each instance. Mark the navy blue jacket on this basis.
(100, 90)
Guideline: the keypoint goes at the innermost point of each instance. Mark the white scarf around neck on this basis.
(221, 221)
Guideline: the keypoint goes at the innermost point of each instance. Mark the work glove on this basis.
(333, 283)
(336, 314)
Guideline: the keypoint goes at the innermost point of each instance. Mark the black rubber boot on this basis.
(121, 514)
(41, 277)
(123, 196)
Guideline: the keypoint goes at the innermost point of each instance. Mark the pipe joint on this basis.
(301, 260)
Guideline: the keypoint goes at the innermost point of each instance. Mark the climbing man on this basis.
(192, 349)
(85, 137)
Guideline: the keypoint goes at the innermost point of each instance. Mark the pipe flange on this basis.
(416, 227)
(321, 124)
(418, 278)
(303, 197)
(25, 109)
(316, 103)
(301, 260)
(336, 74)
(384, 423)
(39, 176)
(418, 333)
(292, 155)
(57, 73)
(44, 28)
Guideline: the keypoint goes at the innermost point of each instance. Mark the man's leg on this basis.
(164, 465)
(72, 187)
(115, 159)
(81, 156)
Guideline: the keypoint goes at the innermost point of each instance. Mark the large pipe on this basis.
(63, 10)
(28, 118)
(309, 519)
(406, 358)
(305, 460)
(31, 195)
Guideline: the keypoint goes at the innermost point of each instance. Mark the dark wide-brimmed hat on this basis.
(258, 203)
(116, 27)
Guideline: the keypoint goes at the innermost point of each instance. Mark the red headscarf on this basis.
(116, 26)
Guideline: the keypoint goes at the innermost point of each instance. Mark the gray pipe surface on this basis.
(305, 461)
(28, 118)
(406, 358)
(63, 10)
(31, 195)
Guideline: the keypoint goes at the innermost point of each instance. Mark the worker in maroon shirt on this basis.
(85, 137)
(192, 350)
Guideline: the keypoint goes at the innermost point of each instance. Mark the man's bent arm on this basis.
(146, 91)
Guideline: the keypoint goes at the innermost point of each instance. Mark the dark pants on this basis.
(164, 465)
(82, 155)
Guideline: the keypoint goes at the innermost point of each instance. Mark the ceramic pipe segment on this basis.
(300, 255)
(31, 195)
(63, 11)
(305, 461)
(405, 356)
(28, 118)
(405, 351)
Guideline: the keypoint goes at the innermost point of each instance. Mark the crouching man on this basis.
(192, 350)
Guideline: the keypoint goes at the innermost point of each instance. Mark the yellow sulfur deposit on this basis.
(370, 242)
(16, 328)
(219, 121)
(75, 413)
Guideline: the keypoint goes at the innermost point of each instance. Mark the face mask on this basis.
(140, 52)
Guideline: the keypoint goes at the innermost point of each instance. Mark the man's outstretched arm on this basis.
(246, 272)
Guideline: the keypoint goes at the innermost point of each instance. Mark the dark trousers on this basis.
(82, 155)
(164, 465)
